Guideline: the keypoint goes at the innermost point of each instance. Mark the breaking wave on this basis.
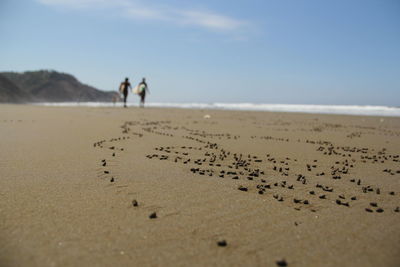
(315, 109)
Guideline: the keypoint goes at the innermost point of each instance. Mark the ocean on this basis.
(314, 109)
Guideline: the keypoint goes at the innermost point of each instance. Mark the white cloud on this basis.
(210, 20)
(134, 9)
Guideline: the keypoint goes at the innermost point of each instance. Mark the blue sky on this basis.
(261, 51)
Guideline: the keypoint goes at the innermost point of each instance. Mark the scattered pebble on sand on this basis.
(222, 243)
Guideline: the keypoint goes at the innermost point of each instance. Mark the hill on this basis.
(47, 86)
(11, 93)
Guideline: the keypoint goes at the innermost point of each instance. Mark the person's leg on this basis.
(125, 97)
(142, 97)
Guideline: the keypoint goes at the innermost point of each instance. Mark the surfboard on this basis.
(121, 88)
(136, 89)
(139, 89)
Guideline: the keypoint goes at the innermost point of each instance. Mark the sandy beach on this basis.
(172, 187)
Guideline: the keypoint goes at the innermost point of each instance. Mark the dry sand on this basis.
(310, 180)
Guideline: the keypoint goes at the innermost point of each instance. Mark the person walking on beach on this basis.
(142, 91)
(123, 88)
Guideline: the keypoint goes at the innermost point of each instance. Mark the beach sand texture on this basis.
(165, 187)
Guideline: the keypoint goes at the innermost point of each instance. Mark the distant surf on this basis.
(314, 109)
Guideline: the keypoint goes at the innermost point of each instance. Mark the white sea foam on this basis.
(316, 109)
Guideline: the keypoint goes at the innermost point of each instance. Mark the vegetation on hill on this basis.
(47, 86)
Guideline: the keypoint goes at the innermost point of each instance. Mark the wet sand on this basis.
(168, 187)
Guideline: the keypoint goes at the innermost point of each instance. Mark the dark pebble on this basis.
(222, 243)
(153, 215)
(281, 263)
(241, 188)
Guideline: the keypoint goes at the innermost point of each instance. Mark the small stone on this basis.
(374, 204)
(281, 263)
(153, 215)
(368, 210)
(222, 243)
(380, 210)
(242, 188)
(135, 203)
(112, 180)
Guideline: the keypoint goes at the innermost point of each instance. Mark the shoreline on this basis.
(204, 111)
(358, 110)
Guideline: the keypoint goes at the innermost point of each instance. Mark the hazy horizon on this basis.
(282, 52)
